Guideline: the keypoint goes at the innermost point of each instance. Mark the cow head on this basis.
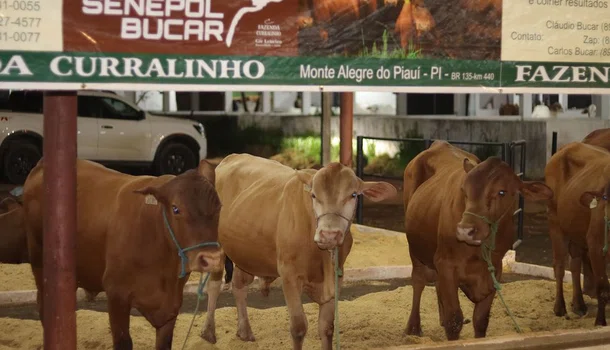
(490, 189)
(334, 193)
(597, 201)
(191, 211)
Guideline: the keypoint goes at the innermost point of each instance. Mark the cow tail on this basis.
(228, 269)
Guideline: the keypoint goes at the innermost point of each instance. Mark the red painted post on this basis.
(346, 128)
(59, 271)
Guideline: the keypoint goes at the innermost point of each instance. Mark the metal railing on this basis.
(508, 153)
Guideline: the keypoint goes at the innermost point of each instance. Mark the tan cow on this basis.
(130, 232)
(579, 174)
(451, 198)
(279, 222)
(13, 242)
(599, 137)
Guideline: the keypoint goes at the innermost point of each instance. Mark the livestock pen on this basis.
(373, 306)
(318, 46)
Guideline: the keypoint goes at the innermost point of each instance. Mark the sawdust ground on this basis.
(370, 321)
(369, 249)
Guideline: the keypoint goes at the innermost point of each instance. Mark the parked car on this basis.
(111, 131)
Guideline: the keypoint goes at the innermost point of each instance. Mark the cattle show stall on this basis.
(345, 46)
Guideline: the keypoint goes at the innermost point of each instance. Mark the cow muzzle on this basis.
(207, 261)
(328, 240)
(330, 230)
(468, 234)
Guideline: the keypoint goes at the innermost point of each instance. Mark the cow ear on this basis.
(535, 190)
(207, 170)
(378, 191)
(305, 176)
(149, 190)
(590, 199)
(151, 193)
(468, 165)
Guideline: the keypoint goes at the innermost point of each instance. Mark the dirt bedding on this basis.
(369, 249)
(369, 321)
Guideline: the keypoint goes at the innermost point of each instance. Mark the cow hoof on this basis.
(600, 323)
(580, 310)
(414, 330)
(560, 310)
(245, 336)
(209, 335)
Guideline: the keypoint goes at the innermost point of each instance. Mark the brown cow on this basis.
(600, 138)
(414, 20)
(450, 200)
(578, 175)
(279, 222)
(130, 232)
(13, 242)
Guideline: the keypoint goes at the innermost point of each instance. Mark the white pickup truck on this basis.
(111, 131)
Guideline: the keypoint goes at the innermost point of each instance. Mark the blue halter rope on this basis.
(181, 252)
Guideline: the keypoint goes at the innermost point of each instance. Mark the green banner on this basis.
(345, 45)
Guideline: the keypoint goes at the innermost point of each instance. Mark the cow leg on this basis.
(598, 265)
(37, 272)
(578, 303)
(165, 335)
(559, 258)
(480, 317)
(589, 283)
(418, 279)
(241, 280)
(326, 325)
(118, 312)
(292, 286)
(213, 289)
(447, 289)
(440, 304)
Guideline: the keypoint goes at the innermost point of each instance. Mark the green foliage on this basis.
(384, 165)
(410, 149)
(385, 52)
(370, 150)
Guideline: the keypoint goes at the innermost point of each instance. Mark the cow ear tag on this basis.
(307, 188)
(593, 203)
(150, 199)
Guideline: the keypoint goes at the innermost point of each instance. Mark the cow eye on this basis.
(604, 197)
(354, 194)
(313, 196)
(502, 193)
(175, 209)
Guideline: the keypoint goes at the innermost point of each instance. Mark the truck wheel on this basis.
(174, 159)
(19, 160)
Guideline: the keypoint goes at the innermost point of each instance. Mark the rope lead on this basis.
(202, 283)
(486, 248)
(338, 273)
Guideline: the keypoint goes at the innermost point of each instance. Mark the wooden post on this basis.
(326, 127)
(346, 126)
(59, 181)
